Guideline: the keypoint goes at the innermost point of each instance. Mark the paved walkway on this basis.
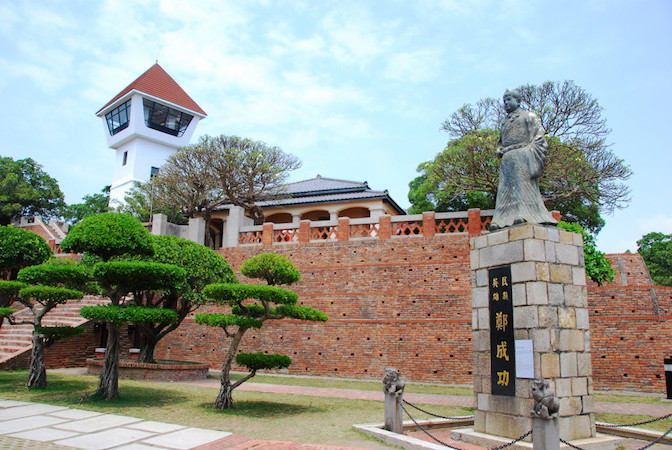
(37, 426)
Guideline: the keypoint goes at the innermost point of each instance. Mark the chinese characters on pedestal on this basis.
(502, 345)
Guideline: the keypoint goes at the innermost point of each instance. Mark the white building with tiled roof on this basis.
(145, 123)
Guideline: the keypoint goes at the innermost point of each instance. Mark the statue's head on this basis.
(512, 100)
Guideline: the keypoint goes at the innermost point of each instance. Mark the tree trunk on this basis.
(37, 375)
(108, 386)
(147, 347)
(224, 399)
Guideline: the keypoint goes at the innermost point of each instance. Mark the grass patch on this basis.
(627, 419)
(258, 415)
(617, 398)
(415, 388)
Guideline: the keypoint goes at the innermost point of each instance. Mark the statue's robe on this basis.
(522, 147)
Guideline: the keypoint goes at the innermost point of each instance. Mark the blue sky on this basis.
(356, 89)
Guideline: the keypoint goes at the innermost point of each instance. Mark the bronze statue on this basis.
(522, 147)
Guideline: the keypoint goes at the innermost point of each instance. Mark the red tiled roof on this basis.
(157, 83)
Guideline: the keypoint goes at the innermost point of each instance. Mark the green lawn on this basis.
(322, 382)
(259, 415)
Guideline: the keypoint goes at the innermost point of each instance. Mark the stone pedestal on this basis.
(550, 308)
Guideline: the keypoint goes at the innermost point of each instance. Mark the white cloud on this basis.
(661, 223)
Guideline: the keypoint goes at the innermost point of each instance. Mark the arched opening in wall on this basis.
(355, 213)
(279, 218)
(318, 214)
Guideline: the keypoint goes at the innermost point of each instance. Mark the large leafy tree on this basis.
(656, 250)
(250, 306)
(219, 170)
(26, 189)
(202, 266)
(582, 179)
(91, 204)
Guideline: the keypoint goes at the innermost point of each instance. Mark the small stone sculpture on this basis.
(392, 382)
(522, 147)
(546, 404)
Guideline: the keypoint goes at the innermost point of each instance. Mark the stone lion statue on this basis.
(546, 404)
(392, 382)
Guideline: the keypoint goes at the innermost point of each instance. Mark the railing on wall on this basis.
(472, 223)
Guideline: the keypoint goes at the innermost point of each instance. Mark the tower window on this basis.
(118, 118)
(124, 159)
(167, 120)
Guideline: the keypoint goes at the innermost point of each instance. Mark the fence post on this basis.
(267, 235)
(304, 232)
(393, 387)
(428, 224)
(343, 232)
(474, 221)
(385, 227)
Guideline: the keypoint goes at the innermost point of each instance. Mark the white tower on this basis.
(145, 123)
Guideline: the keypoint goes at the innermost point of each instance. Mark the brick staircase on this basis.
(16, 340)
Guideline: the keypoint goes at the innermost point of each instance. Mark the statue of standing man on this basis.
(522, 147)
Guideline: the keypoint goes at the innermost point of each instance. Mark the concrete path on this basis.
(27, 426)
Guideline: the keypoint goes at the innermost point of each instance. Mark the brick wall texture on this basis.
(406, 303)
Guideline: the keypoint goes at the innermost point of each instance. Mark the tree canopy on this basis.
(107, 235)
(218, 170)
(582, 179)
(656, 250)
(91, 204)
(20, 248)
(26, 189)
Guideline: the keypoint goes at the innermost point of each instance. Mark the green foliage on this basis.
(203, 266)
(144, 314)
(26, 189)
(598, 267)
(249, 310)
(142, 203)
(259, 361)
(20, 248)
(62, 332)
(44, 294)
(656, 250)
(275, 269)
(225, 320)
(64, 275)
(301, 312)
(10, 288)
(108, 235)
(91, 204)
(233, 294)
(119, 314)
(140, 275)
(6, 312)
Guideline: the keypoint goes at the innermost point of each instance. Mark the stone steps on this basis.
(17, 339)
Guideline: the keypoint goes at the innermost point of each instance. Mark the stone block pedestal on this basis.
(550, 308)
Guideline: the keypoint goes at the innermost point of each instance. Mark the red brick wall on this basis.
(398, 302)
(631, 326)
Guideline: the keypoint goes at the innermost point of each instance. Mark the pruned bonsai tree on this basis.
(109, 235)
(250, 306)
(202, 265)
(49, 285)
(19, 248)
